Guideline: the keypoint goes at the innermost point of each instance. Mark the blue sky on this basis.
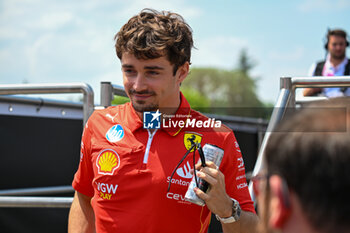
(72, 41)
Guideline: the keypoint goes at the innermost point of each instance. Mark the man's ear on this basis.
(280, 207)
(182, 72)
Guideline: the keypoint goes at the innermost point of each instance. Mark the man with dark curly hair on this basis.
(128, 165)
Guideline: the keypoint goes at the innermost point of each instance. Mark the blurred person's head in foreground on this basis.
(303, 186)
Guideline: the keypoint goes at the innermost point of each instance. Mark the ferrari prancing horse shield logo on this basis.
(192, 136)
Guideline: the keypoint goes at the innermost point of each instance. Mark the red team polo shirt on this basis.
(127, 169)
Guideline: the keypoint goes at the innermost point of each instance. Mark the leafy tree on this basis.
(195, 98)
(245, 64)
(231, 92)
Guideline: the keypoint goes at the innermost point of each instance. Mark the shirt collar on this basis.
(130, 118)
(182, 114)
(330, 65)
(132, 121)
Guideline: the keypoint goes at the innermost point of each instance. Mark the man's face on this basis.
(262, 195)
(150, 84)
(273, 202)
(260, 191)
(337, 47)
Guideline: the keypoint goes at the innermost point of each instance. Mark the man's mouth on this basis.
(143, 95)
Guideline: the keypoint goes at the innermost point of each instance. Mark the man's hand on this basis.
(216, 197)
(220, 203)
(311, 91)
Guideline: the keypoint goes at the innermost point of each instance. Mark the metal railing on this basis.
(13, 198)
(37, 191)
(54, 88)
(7, 198)
(287, 99)
(47, 202)
(108, 90)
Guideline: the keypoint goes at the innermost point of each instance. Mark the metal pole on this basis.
(47, 202)
(276, 116)
(88, 100)
(119, 90)
(54, 88)
(106, 94)
(319, 81)
(108, 90)
(37, 191)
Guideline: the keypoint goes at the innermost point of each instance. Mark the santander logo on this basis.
(185, 171)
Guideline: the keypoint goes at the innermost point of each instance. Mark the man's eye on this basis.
(153, 72)
(128, 71)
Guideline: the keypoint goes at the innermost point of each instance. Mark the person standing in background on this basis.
(336, 64)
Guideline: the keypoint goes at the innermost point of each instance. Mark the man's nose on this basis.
(140, 83)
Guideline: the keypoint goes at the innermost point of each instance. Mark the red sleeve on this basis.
(233, 168)
(83, 177)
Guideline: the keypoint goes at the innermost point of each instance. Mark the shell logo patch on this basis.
(107, 162)
(191, 136)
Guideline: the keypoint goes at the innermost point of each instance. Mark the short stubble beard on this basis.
(339, 58)
(140, 107)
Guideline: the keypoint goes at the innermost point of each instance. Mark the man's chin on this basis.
(143, 107)
(339, 56)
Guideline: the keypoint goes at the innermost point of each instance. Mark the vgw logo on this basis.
(151, 120)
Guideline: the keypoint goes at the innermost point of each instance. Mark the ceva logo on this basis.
(115, 133)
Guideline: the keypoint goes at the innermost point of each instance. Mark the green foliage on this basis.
(244, 63)
(230, 92)
(195, 98)
(119, 100)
